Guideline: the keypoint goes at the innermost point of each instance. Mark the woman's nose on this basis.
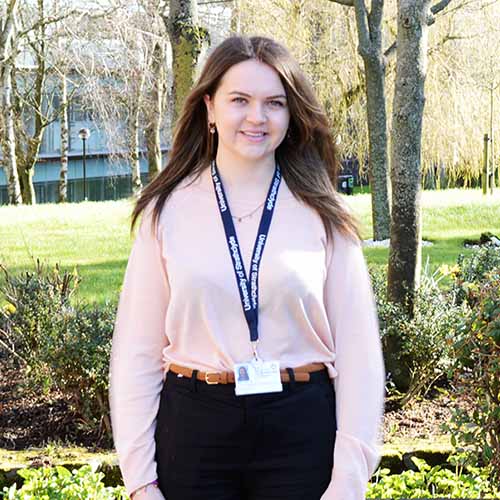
(256, 113)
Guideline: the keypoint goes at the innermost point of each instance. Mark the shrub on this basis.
(33, 300)
(62, 346)
(433, 482)
(477, 375)
(427, 336)
(472, 271)
(58, 483)
(75, 359)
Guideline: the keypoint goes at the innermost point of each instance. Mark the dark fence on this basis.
(98, 189)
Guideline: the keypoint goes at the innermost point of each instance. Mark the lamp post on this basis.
(84, 134)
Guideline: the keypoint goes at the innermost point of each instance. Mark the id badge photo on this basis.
(257, 377)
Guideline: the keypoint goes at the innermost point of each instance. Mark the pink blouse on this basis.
(180, 304)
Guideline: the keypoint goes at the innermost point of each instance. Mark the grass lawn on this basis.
(94, 236)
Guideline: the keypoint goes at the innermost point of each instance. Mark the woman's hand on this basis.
(148, 494)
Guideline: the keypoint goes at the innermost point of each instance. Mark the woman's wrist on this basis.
(143, 489)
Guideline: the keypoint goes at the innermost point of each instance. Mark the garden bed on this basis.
(35, 420)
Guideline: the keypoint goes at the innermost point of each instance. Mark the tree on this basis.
(63, 117)
(414, 17)
(31, 97)
(487, 78)
(156, 112)
(122, 82)
(26, 93)
(322, 37)
(369, 27)
(8, 40)
(188, 40)
(463, 48)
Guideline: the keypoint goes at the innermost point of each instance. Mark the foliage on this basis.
(58, 483)
(432, 482)
(32, 298)
(76, 361)
(62, 346)
(476, 372)
(472, 271)
(427, 336)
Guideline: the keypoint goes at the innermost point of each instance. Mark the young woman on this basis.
(246, 360)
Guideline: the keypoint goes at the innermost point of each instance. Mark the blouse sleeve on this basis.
(360, 383)
(136, 375)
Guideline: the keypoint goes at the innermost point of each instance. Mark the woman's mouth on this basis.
(254, 136)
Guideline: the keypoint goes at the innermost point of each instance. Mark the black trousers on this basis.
(214, 445)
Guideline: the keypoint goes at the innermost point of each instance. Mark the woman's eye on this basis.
(276, 103)
(239, 99)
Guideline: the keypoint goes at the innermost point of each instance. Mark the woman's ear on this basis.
(209, 104)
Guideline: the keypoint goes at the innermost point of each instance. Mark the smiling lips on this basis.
(254, 136)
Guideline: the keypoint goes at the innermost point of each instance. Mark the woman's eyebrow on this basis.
(248, 95)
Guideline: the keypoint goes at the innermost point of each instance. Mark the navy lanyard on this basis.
(249, 298)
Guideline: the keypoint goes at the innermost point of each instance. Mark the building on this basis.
(107, 173)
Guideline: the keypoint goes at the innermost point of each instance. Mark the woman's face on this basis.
(250, 112)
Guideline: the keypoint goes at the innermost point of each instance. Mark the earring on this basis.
(211, 128)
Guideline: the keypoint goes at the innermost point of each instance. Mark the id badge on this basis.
(257, 377)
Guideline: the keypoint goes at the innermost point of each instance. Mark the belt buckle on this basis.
(207, 374)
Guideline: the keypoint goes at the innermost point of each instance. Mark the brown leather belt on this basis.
(301, 374)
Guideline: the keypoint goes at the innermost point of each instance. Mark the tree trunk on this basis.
(7, 135)
(27, 187)
(187, 40)
(369, 28)
(133, 133)
(27, 161)
(377, 138)
(152, 131)
(63, 117)
(492, 143)
(408, 107)
(486, 164)
(9, 138)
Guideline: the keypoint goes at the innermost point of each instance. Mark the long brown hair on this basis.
(307, 156)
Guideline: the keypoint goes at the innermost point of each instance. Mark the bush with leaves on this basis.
(476, 372)
(433, 482)
(76, 361)
(58, 483)
(471, 271)
(426, 337)
(60, 345)
(33, 301)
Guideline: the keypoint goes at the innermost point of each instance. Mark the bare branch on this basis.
(45, 22)
(482, 4)
(438, 7)
(435, 9)
(449, 38)
(363, 29)
(12, 351)
(68, 14)
(391, 50)
(8, 30)
(349, 3)
(376, 13)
